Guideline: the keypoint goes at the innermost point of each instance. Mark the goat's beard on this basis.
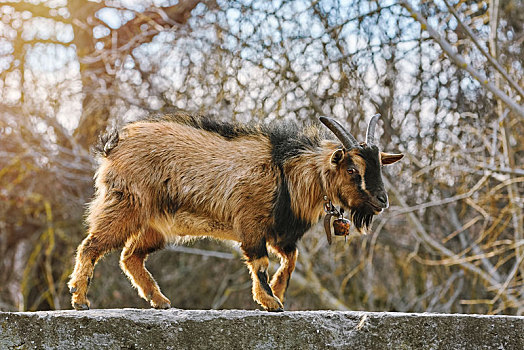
(362, 218)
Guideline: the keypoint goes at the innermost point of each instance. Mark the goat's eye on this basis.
(352, 171)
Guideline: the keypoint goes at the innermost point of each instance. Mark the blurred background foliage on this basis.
(453, 238)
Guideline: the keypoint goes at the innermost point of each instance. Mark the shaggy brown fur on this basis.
(183, 176)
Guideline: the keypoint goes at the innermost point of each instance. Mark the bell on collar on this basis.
(341, 227)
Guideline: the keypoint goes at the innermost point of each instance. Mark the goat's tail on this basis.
(107, 142)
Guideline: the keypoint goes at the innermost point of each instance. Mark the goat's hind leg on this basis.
(111, 222)
(132, 262)
(92, 248)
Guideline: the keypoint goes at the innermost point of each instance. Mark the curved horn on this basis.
(345, 137)
(370, 133)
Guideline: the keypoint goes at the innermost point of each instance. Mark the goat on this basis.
(263, 186)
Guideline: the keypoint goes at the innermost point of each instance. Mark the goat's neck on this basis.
(303, 175)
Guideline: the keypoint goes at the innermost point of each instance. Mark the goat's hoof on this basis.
(275, 310)
(80, 307)
(275, 306)
(163, 306)
(160, 302)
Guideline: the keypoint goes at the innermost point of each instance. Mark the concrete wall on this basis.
(238, 329)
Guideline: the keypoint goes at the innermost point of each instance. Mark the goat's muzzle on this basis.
(379, 202)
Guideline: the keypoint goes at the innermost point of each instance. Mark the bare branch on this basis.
(461, 63)
(486, 54)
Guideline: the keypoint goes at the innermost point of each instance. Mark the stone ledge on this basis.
(240, 329)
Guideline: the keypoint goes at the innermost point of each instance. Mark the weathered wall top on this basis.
(238, 329)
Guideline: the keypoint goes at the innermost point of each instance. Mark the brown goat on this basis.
(262, 186)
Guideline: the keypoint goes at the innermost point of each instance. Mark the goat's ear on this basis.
(389, 158)
(337, 156)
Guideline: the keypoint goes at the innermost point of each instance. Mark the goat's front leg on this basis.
(258, 262)
(280, 280)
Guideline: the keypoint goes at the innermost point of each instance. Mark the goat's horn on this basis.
(345, 137)
(370, 133)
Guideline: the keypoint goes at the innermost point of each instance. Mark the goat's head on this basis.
(353, 177)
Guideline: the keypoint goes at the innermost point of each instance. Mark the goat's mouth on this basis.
(374, 208)
(368, 207)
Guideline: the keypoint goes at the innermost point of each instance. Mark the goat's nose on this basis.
(383, 199)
